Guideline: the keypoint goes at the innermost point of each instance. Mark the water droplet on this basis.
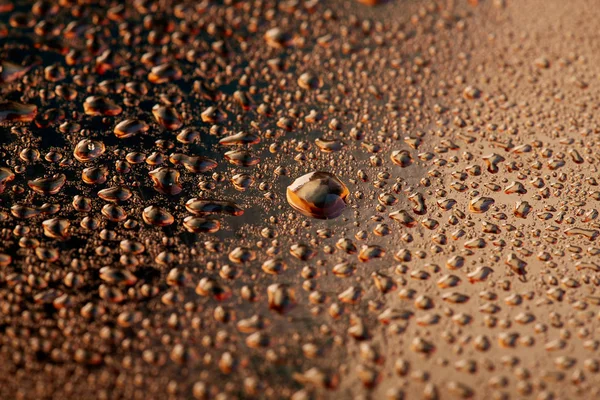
(166, 180)
(318, 194)
(101, 106)
(87, 150)
(157, 216)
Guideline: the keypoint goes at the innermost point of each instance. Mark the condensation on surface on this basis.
(299, 199)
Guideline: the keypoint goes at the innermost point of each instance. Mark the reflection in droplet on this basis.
(318, 194)
(11, 111)
(281, 298)
(200, 207)
(56, 228)
(196, 164)
(88, 150)
(48, 186)
(6, 175)
(130, 127)
(167, 117)
(115, 194)
(166, 180)
(200, 224)
(114, 213)
(241, 158)
(102, 106)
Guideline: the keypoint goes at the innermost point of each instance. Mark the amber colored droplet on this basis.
(22, 211)
(88, 150)
(11, 111)
(188, 135)
(115, 194)
(590, 234)
(329, 145)
(157, 216)
(82, 204)
(277, 38)
(166, 180)
(401, 158)
(199, 224)
(167, 117)
(242, 182)
(164, 73)
(48, 186)
(404, 218)
(480, 204)
(101, 106)
(210, 287)
(56, 228)
(200, 207)
(10, 72)
(281, 298)
(114, 213)
(240, 138)
(241, 158)
(6, 175)
(130, 127)
(213, 115)
(370, 252)
(318, 194)
(309, 81)
(194, 164)
(94, 175)
(117, 276)
(302, 252)
(371, 3)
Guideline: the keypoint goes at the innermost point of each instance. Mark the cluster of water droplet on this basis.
(289, 199)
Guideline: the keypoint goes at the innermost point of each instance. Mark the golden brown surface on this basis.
(148, 250)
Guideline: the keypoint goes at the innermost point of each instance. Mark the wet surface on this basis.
(299, 199)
